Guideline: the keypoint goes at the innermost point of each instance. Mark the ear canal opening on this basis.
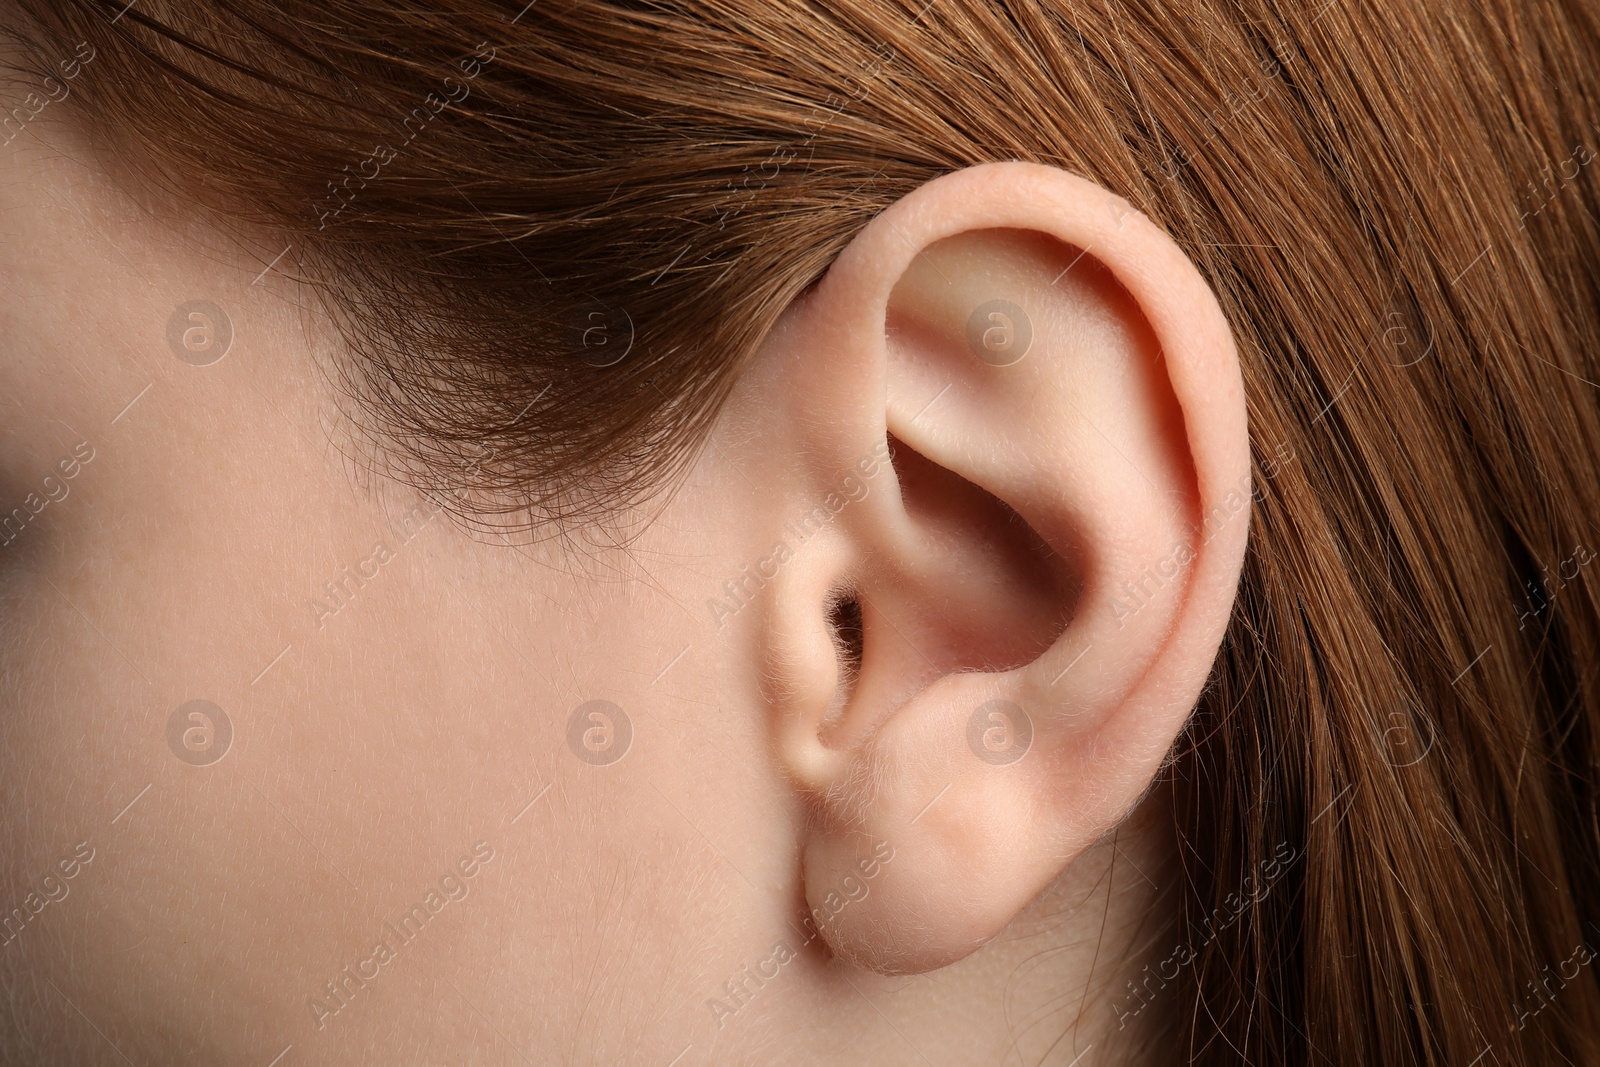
(844, 622)
(849, 640)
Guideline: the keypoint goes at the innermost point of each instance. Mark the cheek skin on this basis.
(362, 760)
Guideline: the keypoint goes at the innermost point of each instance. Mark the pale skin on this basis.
(397, 722)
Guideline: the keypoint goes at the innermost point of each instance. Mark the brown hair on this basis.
(1398, 750)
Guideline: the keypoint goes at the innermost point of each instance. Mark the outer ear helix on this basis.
(988, 779)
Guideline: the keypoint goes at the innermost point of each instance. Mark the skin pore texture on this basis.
(399, 691)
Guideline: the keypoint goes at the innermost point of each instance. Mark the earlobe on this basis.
(1043, 573)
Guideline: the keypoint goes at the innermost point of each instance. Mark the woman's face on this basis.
(291, 760)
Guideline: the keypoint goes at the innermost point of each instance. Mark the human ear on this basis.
(1042, 574)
